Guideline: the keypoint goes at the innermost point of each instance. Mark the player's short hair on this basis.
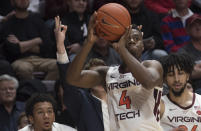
(93, 63)
(36, 98)
(181, 61)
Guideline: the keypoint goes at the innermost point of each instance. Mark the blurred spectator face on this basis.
(21, 5)
(43, 116)
(181, 4)
(194, 30)
(78, 6)
(7, 91)
(133, 4)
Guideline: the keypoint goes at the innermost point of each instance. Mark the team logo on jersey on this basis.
(198, 109)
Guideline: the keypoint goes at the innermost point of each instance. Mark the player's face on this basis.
(194, 30)
(133, 4)
(7, 91)
(78, 6)
(43, 116)
(21, 4)
(181, 4)
(176, 81)
(135, 46)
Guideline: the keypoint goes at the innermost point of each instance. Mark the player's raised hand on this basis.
(59, 30)
(123, 40)
(91, 29)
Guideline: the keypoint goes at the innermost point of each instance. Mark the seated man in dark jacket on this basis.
(26, 42)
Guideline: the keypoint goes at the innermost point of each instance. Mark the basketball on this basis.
(112, 20)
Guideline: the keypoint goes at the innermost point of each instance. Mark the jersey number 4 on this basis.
(125, 100)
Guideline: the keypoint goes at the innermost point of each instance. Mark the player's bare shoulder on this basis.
(156, 70)
(153, 64)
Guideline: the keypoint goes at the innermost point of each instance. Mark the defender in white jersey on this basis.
(180, 108)
(130, 86)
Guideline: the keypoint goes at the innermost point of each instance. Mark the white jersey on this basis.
(186, 117)
(131, 107)
(55, 127)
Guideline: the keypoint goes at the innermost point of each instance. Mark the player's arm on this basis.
(154, 76)
(75, 73)
(149, 73)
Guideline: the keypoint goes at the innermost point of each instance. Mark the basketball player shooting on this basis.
(132, 88)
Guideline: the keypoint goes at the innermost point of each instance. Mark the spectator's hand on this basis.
(35, 49)
(13, 39)
(74, 48)
(59, 31)
(149, 43)
(91, 38)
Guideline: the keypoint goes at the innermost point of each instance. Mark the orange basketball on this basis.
(112, 20)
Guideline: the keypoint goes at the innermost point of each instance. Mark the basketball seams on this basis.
(111, 33)
(107, 29)
(124, 10)
(113, 18)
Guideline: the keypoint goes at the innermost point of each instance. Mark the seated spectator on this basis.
(54, 8)
(22, 121)
(10, 109)
(40, 110)
(102, 50)
(27, 43)
(76, 19)
(193, 27)
(150, 22)
(162, 7)
(173, 26)
(85, 107)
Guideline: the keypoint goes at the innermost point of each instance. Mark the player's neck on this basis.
(184, 100)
